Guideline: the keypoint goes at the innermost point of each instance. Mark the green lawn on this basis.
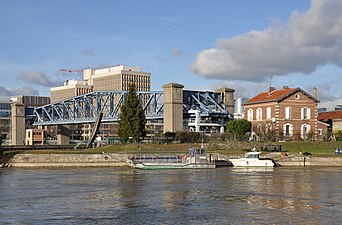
(228, 148)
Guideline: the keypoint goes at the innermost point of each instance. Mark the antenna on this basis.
(270, 81)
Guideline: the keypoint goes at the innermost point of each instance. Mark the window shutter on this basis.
(308, 111)
(302, 113)
(291, 129)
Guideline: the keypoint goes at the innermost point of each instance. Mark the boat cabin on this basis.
(198, 155)
(252, 155)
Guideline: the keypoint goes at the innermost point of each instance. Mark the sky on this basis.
(204, 45)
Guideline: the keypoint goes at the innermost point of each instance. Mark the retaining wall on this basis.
(111, 159)
(310, 161)
(68, 160)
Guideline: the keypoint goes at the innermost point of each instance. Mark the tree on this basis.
(132, 119)
(238, 128)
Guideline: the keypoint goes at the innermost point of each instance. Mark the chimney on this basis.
(285, 87)
(271, 89)
(315, 92)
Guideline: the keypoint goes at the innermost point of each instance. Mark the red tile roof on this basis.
(276, 96)
(325, 116)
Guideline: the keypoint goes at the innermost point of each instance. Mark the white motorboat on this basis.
(252, 159)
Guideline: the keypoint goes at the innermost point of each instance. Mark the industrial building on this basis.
(22, 115)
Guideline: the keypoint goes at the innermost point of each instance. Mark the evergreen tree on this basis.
(132, 118)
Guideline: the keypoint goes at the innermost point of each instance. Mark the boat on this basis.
(195, 159)
(252, 159)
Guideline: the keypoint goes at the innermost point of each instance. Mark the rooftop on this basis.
(274, 95)
(325, 116)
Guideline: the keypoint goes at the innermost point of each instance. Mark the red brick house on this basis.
(333, 118)
(288, 113)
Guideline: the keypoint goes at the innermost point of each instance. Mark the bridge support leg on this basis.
(173, 107)
(63, 132)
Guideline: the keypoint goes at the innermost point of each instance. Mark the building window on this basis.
(320, 132)
(268, 113)
(305, 112)
(288, 113)
(288, 130)
(297, 96)
(250, 115)
(305, 129)
(259, 114)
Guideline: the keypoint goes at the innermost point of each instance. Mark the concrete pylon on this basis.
(63, 132)
(228, 98)
(173, 107)
(18, 124)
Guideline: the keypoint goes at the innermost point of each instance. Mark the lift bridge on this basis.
(87, 108)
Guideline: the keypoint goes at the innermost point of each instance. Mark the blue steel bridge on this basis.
(87, 108)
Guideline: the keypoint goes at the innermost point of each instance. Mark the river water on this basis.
(310, 195)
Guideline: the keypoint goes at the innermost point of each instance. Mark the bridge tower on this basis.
(173, 107)
(18, 124)
(228, 96)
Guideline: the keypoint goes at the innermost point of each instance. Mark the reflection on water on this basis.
(129, 196)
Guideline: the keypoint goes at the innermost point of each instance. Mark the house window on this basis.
(305, 112)
(320, 132)
(288, 129)
(288, 113)
(268, 113)
(305, 129)
(259, 114)
(250, 114)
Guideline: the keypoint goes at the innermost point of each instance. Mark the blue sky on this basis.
(240, 44)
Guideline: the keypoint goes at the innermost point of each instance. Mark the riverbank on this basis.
(118, 160)
(67, 160)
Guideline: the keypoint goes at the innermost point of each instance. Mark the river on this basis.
(300, 195)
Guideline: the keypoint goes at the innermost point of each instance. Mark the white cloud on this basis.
(6, 93)
(35, 77)
(309, 39)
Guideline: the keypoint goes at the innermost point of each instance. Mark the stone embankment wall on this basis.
(310, 161)
(68, 160)
(110, 160)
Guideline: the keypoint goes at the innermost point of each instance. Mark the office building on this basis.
(71, 88)
(118, 78)
(5, 121)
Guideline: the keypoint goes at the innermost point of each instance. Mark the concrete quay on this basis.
(115, 160)
(309, 161)
(68, 160)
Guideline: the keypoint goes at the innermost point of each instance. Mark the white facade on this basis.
(239, 108)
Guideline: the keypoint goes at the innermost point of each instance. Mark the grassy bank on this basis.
(229, 148)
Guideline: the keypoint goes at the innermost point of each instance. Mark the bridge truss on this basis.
(86, 108)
